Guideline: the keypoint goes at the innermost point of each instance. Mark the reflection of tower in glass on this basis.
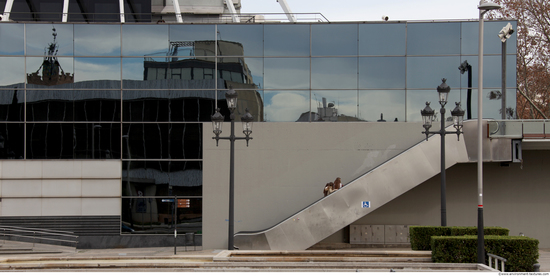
(52, 73)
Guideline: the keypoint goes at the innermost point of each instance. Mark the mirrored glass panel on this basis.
(97, 105)
(12, 104)
(13, 71)
(245, 72)
(427, 72)
(134, 69)
(334, 39)
(287, 106)
(382, 39)
(45, 39)
(13, 39)
(50, 105)
(193, 105)
(286, 73)
(162, 178)
(145, 40)
(146, 105)
(50, 72)
(433, 38)
(491, 41)
(492, 103)
(97, 141)
(416, 101)
(286, 40)
(492, 71)
(192, 40)
(146, 215)
(382, 72)
(387, 105)
(96, 40)
(240, 40)
(163, 141)
(335, 105)
(12, 141)
(97, 73)
(50, 141)
(334, 73)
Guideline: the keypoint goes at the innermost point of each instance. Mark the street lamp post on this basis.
(504, 34)
(427, 117)
(483, 7)
(217, 121)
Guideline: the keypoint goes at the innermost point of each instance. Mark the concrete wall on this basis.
(60, 188)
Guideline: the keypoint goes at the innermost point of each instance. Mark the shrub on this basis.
(420, 236)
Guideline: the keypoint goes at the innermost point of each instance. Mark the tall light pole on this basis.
(504, 34)
(458, 116)
(217, 120)
(483, 7)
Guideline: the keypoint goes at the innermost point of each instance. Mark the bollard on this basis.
(175, 240)
(537, 267)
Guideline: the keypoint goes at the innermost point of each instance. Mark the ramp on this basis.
(378, 186)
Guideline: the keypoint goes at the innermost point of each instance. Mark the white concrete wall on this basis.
(60, 188)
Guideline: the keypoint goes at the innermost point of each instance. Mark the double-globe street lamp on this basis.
(427, 117)
(217, 121)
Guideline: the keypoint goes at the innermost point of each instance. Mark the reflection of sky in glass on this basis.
(492, 71)
(334, 73)
(491, 41)
(256, 66)
(416, 101)
(12, 42)
(334, 40)
(96, 40)
(140, 40)
(90, 69)
(344, 100)
(250, 36)
(391, 103)
(286, 73)
(132, 69)
(382, 39)
(286, 40)
(13, 70)
(39, 36)
(285, 106)
(192, 32)
(427, 72)
(491, 108)
(382, 72)
(433, 39)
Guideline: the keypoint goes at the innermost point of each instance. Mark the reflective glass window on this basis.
(416, 101)
(50, 105)
(12, 104)
(491, 41)
(286, 73)
(13, 37)
(36, 10)
(334, 73)
(492, 71)
(382, 72)
(50, 72)
(286, 106)
(162, 178)
(13, 71)
(97, 141)
(97, 105)
(386, 104)
(382, 39)
(427, 72)
(98, 73)
(433, 38)
(239, 40)
(192, 40)
(193, 105)
(96, 40)
(94, 11)
(286, 40)
(492, 103)
(341, 105)
(45, 39)
(50, 141)
(162, 141)
(134, 69)
(146, 105)
(247, 72)
(145, 40)
(333, 39)
(12, 141)
(137, 10)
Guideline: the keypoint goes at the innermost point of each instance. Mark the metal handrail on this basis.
(497, 258)
(14, 231)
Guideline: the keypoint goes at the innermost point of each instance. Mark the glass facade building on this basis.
(140, 92)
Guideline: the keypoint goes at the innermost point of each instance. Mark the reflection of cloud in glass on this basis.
(39, 36)
(286, 106)
(139, 40)
(334, 73)
(390, 103)
(12, 69)
(12, 42)
(132, 68)
(286, 73)
(97, 69)
(95, 40)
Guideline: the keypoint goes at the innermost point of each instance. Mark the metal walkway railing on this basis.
(38, 235)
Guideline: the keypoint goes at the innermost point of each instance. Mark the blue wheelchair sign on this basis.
(365, 204)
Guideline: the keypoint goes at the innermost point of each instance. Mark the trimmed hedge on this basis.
(420, 236)
(521, 253)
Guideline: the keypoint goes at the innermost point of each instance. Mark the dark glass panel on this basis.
(50, 105)
(287, 73)
(287, 106)
(427, 72)
(36, 10)
(12, 141)
(192, 40)
(97, 105)
(191, 105)
(156, 216)
(94, 11)
(96, 40)
(50, 72)
(334, 73)
(137, 10)
(335, 105)
(491, 41)
(97, 141)
(334, 39)
(146, 106)
(48, 39)
(433, 38)
(186, 141)
(50, 141)
(13, 71)
(390, 104)
(240, 40)
(382, 72)
(382, 39)
(145, 40)
(286, 40)
(12, 104)
(13, 39)
(97, 73)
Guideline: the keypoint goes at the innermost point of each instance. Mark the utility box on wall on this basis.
(379, 234)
